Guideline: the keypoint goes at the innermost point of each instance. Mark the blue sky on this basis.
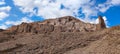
(14, 12)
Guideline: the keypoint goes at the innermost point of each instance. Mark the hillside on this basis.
(64, 35)
(108, 44)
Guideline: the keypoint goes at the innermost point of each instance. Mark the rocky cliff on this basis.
(62, 24)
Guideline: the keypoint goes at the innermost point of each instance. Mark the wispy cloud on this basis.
(109, 3)
(4, 11)
(114, 2)
(5, 8)
(24, 19)
(2, 2)
(3, 26)
(3, 15)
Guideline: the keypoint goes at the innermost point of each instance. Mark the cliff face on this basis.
(62, 24)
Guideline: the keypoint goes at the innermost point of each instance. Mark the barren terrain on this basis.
(22, 40)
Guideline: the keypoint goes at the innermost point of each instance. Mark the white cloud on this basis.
(88, 11)
(103, 7)
(3, 15)
(50, 8)
(2, 2)
(115, 2)
(5, 8)
(3, 26)
(4, 12)
(109, 3)
(24, 19)
(106, 21)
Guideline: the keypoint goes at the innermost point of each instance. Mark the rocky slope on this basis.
(108, 44)
(65, 35)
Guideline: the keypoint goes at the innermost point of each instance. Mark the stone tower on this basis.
(101, 24)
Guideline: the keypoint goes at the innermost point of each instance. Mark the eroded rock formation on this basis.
(62, 24)
(101, 24)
